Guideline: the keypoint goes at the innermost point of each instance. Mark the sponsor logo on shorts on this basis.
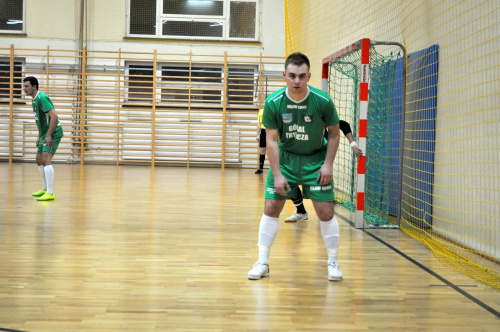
(271, 190)
(320, 188)
(287, 117)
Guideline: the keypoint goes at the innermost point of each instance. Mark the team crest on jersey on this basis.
(308, 118)
(287, 117)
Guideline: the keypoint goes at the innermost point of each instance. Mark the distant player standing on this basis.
(295, 118)
(50, 133)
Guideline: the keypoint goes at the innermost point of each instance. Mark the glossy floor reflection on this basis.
(132, 248)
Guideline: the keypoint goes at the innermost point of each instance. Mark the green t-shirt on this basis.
(41, 105)
(300, 124)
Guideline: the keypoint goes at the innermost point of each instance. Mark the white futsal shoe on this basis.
(334, 273)
(258, 271)
(297, 217)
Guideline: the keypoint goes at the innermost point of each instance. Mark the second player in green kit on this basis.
(50, 134)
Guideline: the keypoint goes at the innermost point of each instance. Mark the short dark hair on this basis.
(297, 59)
(32, 80)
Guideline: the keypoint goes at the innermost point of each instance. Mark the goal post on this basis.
(366, 81)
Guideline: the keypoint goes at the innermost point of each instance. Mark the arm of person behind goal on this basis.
(346, 129)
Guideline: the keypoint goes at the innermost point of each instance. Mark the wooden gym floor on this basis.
(131, 248)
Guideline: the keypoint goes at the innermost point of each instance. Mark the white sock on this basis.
(49, 175)
(330, 231)
(42, 174)
(264, 254)
(268, 229)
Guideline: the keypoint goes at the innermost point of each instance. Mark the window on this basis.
(12, 16)
(242, 25)
(194, 19)
(206, 84)
(142, 17)
(178, 84)
(5, 80)
(241, 85)
(140, 83)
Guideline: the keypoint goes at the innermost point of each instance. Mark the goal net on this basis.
(366, 82)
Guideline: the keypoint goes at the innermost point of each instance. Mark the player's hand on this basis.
(325, 174)
(281, 185)
(37, 141)
(258, 138)
(357, 151)
(48, 142)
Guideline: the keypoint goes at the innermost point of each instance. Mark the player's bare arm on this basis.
(52, 126)
(280, 183)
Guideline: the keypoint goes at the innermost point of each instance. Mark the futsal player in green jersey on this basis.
(295, 118)
(50, 133)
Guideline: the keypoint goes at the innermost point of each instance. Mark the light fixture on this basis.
(199, 2)
(11, 21)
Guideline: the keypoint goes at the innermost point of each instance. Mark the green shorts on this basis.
(43, 148)
(299, 169)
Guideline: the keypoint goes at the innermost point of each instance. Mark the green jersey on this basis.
(41, 105)
(300, 124)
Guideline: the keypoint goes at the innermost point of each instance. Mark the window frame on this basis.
(224, 19)
(23, 30)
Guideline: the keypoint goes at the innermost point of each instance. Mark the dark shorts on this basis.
(262, 140)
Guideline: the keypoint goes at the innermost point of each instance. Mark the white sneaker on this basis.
(297, 217)
(334, 272)
(258, 271)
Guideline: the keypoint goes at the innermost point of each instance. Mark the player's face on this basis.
(296, 78)
(29, 89)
